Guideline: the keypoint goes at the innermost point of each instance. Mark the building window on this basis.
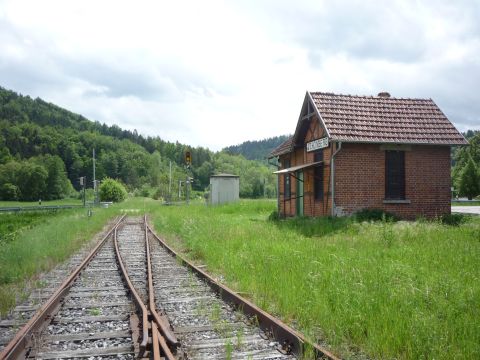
(394, 175)
(318, 176)
(286, 182)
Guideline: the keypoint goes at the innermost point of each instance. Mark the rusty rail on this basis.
(161, 329)
(18, 346)
(138, 301)
(291, 340)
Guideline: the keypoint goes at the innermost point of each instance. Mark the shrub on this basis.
(144, 191)
(158, 195)
(374, 215)
(111, 190)
(274, 216)
(469, 180)
(453, 219)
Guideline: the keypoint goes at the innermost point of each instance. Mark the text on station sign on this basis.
(317, 144)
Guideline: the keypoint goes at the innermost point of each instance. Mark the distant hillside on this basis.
(256, 150)
(19, 109)
(45, 149)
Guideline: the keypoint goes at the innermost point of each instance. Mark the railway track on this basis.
(134, 297)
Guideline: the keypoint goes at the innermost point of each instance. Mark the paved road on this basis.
(466, 209)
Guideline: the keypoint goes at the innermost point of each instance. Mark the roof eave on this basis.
(271, 155)
(364, 141)
(279, 150)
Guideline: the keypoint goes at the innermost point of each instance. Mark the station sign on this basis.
(317, 144)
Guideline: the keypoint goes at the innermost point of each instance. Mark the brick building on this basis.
(354, 152)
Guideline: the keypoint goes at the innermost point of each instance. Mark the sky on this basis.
(217, 73)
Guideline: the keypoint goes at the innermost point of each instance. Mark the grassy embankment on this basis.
(405, 290)
(34, 242)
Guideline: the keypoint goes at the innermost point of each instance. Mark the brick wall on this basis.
(360, 180)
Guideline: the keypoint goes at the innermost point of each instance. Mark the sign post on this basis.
(83, 183)
(188, 163)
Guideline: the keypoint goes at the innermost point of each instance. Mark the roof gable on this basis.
(308, 112)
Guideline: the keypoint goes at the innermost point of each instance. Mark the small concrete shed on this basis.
(224, 188)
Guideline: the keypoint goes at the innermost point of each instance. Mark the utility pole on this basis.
(95, 190)
(187, 191)
(170, 183)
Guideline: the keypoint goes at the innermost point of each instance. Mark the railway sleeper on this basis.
(86, 353)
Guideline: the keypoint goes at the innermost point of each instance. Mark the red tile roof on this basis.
(381, 119)
(283, 148)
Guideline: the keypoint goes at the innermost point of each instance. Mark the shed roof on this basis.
(225, 175)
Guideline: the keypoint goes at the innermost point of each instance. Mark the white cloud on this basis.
(215, 73)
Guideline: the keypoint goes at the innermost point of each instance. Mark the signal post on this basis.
(188, 163)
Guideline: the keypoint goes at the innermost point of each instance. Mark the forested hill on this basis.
(45, 149)
(256, 150)
(19, 109)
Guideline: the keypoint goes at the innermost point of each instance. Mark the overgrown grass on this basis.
(405, 290)
(32, 243)
(44, 203)
(12, 224)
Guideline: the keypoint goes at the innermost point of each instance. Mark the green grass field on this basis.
(404, 290)
(464, 203)
(34, 242)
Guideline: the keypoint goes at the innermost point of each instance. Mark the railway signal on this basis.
(188, 158)
(83, 184)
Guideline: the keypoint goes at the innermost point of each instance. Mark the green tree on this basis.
(111, 190)
(4, 152)
(58, 185)
(202, 175)
(32, 181)
(110, 164)
(9, 192)
(469, 180)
